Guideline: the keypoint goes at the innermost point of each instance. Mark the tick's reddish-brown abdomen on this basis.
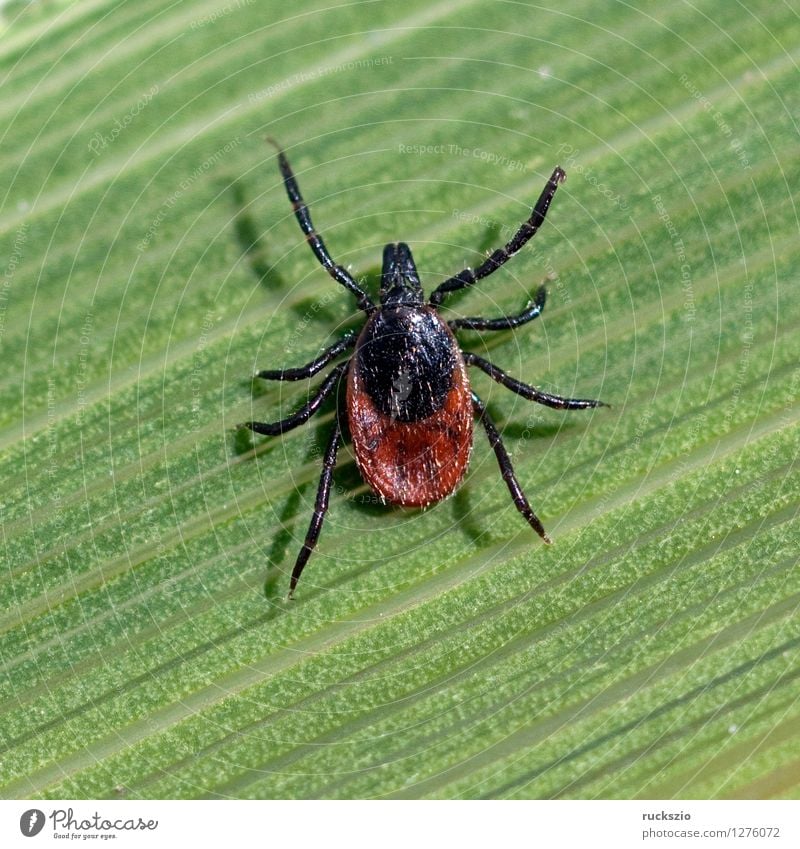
(412, 463)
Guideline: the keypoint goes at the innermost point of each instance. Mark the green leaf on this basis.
(151, 264)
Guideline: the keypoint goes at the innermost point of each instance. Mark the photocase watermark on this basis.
(53, 469)
(725, 128)
(504, 230)
(317, 74)
(185, 184)
(480, 153)
(400, 393)
(772, 448)
(569, 161)
(532, 252)
(626, 463)
(31, 822)
(315, 453)
(299, 333)
(690, 310)
(222, 12)
(9, 272)
(65, 824)
(82, 376)
(196, 380)
(52, 436)
(100, 141)
(746, 329)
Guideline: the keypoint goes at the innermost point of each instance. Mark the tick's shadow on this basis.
(521, 430)
(465, 514)
(251, 243)
(257, 256)
(492, 237)
(292, 523)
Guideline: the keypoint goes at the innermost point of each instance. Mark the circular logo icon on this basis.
(31, 822)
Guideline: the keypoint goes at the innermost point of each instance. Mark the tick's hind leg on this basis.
(506, 469)
(305, 412)
(320, 507)
(528, 391)
(506, 322)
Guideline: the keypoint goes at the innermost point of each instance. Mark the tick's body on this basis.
(410, 408)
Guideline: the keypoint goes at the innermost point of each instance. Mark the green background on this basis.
(151, 264)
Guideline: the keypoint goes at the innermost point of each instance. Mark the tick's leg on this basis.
(320, 507)
(304, 413)
(528, 229)
(532, 311)
(339, 274)
(310, 369)
(529, 392)
(507, 470)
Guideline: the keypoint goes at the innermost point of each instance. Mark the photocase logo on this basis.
(31, 822)
(401, 389)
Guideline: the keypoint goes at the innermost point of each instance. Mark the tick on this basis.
(410, 407)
